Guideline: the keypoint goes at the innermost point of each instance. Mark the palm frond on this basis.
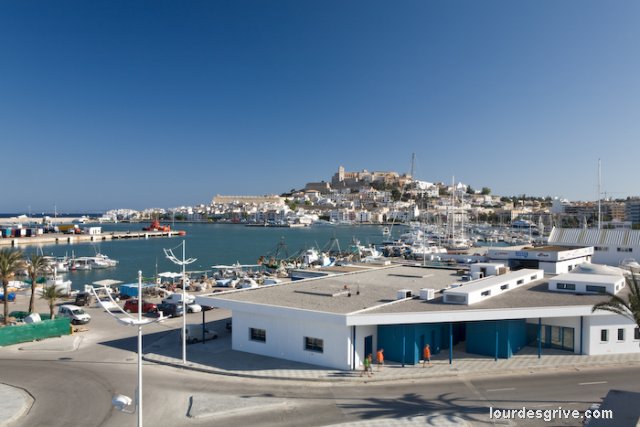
(629, 307)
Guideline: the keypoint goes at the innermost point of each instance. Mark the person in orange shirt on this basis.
(380, 358)
(426, 355)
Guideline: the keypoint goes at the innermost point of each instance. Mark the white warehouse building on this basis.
(611, 247)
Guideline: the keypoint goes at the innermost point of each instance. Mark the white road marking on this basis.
(500, 389)
(593, 383)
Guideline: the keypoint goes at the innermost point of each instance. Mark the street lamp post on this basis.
(139, 393)
(119, 401)
(169, 254)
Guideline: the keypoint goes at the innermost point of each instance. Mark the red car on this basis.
(131, 306)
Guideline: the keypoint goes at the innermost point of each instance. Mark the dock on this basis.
(61, 238)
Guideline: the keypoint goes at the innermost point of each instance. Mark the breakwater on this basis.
(62, 238)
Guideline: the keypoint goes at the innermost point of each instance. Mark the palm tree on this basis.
(51, 294)
(37, 265)
(629, 307)
(10, 262)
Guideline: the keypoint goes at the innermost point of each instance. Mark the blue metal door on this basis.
(368, 345)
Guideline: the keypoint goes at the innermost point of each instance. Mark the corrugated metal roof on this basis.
(595, 237)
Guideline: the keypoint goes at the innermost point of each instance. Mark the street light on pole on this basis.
(169, 254)
(119, 401)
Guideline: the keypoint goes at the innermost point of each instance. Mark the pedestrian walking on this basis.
(380, 358)
(367, 366)
(426, 355)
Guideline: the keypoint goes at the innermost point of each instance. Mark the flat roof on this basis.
(378, 288)
(330, 294)
(535, 294)
(589, 278)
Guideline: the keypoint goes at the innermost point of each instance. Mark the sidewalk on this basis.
(216, 357)
(14, 404)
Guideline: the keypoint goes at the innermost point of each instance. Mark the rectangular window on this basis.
(566, 286)
(259, 335)
(520, 282)
(625, 250)
(604, 335)
(503, 287)
(314, 344)
(636, 333)
(534, 277)
(485, 293)
(598, 289)
(620, 334)
(601, 248)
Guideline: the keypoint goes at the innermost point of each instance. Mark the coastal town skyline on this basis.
(109, 105)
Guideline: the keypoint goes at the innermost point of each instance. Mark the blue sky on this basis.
(109, 104)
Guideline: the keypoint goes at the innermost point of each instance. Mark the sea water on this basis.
(208, 244)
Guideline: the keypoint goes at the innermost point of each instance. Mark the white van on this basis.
(194, 333)
(77, 315)
(176, 298)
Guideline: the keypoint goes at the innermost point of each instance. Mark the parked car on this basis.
(105, 303)
(131, 306)
(194, 308)
(77, 315)
(83, 299)
(194, 334)
(11, 296)
(170, 310)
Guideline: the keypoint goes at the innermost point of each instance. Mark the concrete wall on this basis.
(594, 324)
(285, 339)
(561, 267)
(613, 257)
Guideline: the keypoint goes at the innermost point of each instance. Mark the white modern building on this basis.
(611, 247)
(335, 321)
(551, 259)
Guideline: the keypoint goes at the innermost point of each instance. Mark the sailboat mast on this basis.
(599, 193)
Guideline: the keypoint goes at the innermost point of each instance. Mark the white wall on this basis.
(613, 257)
(593, 326)
(361, 333)
(561, 267)
(285, 338)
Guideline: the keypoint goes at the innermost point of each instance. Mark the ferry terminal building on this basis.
(337, 320)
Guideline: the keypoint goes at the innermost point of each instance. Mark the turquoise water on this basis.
(209, 243)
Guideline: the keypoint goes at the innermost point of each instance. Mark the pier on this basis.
(61, 238)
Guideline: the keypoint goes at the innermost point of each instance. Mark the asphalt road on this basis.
(71, 393)
(75, 389)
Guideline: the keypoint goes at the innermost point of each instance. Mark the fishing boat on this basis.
(156, 226)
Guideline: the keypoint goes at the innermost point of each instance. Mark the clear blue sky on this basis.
(108, 104)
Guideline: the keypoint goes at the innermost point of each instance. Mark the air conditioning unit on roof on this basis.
(427, 294)
(403, 294)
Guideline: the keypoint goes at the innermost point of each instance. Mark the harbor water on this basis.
(209, 244)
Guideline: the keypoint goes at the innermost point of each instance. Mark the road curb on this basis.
(353, 376)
